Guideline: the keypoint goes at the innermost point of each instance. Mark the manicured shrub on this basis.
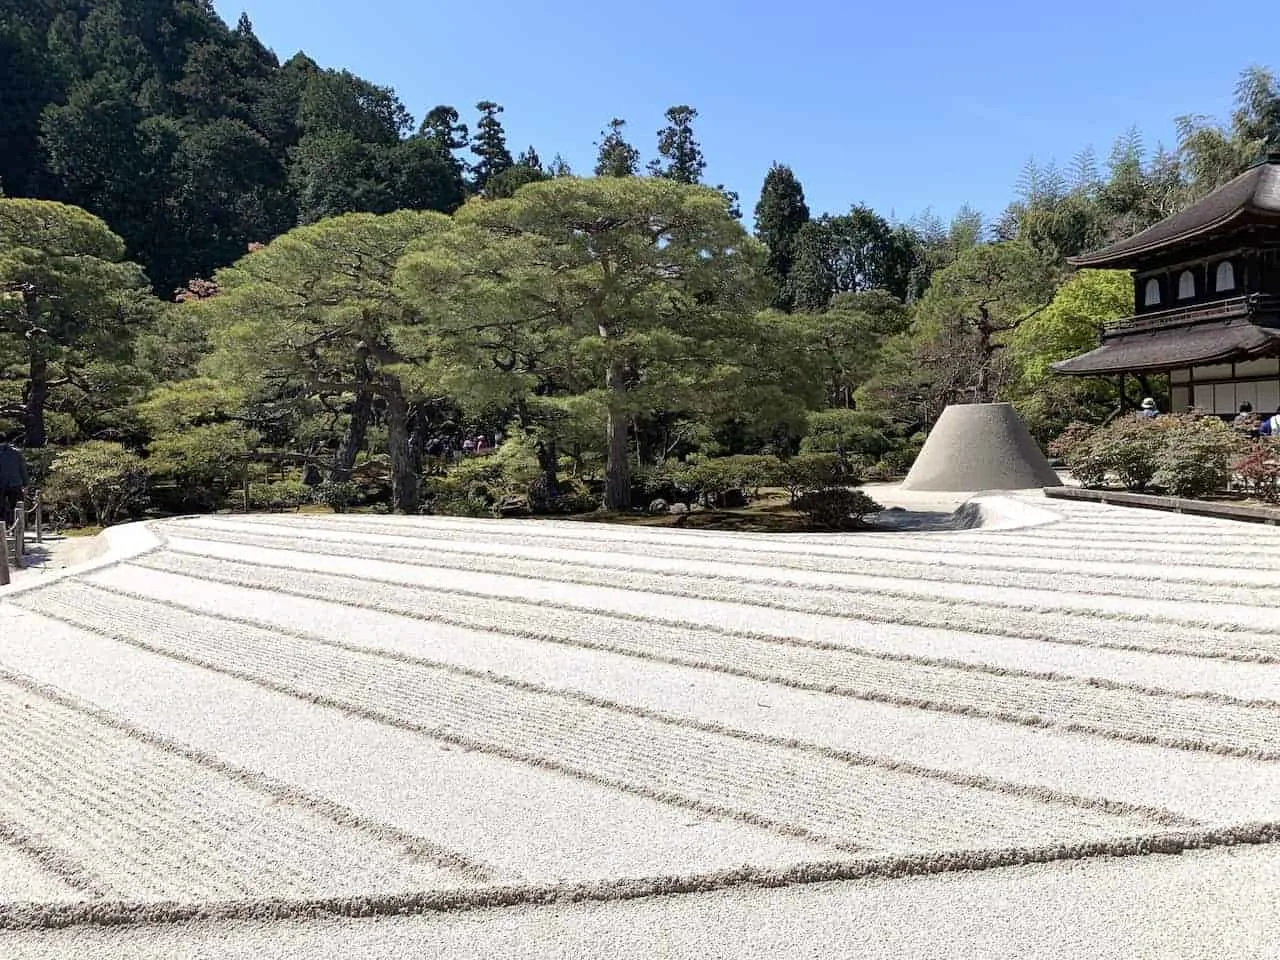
(1196, 456)
(278, 495)
(1187, 456)
(1258, 468)
(899, 459)
(836, 508)
(1130, 448)
(855, 432)
(337, 496)
(813, 471)
(96, 482)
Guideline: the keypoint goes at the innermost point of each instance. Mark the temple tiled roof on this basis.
(1255, 193)
(1165, 349)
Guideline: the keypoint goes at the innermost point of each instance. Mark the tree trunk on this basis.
(404, 479)
(418, 421)
(617, 470)
(357, 426)
(37, 394)
(546, 487)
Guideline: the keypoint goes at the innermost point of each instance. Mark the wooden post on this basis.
(4, 554)
(19, 532)
(39, 518)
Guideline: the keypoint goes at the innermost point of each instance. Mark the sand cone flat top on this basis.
(980, 446)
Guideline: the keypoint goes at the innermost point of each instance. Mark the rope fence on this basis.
(13, 549)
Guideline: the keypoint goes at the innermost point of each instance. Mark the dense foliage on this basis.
(348, 298)
(1185, 456)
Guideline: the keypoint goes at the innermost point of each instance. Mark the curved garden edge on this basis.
(1247, 513)
(113, 545)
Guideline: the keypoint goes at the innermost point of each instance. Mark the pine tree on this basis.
(490, 145)
(530, 159)
(684, 162)
(441, 124)
(616, 157)
(811, 282)
(780, 214)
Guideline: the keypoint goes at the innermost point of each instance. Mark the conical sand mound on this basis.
(980, 446)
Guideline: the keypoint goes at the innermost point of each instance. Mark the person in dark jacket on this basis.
(13, 480)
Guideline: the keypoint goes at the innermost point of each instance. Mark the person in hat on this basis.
(1148, 410)
(13, 480)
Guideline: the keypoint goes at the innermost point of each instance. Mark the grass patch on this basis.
(90, 531)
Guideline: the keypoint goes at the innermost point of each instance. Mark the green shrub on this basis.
(898, 460)
(813, 471)
(1130, 448)
(573, 502)
(455, 506)
(506, 474)
(279, 495)
(706, 479)
(1196, 456)
(748, 472)
(96, 482)
(1076, 448)
(337, 496)
(836, 508)
(1184, 455)
(855, 432)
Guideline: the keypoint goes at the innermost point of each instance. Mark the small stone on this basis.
(658, 506)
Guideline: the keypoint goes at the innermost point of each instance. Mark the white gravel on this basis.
(1198, 906)
(288, 716)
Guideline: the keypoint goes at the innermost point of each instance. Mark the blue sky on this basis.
(900, 105)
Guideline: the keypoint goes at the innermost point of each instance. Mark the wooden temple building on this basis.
(1206, 300)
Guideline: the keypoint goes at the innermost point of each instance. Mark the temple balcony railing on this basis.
(1242, 306)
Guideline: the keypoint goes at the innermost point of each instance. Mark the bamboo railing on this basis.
(14, 542)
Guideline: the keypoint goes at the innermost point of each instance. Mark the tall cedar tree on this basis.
(780, 213)
(683, 154)
(616, 157)
(680, 157)
(490, 145)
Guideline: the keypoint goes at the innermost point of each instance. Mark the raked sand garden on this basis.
(1057, 735)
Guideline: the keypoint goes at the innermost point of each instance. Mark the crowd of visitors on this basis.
(441, 451)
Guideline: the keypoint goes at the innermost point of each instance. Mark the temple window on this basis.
(1226, 277)
(1151, 293)
(1186, 285)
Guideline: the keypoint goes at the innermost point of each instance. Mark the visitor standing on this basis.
(468, 447)
(481, 447)
(1271, 426)
(13, 480)
(1245, 421)
(1148, 410)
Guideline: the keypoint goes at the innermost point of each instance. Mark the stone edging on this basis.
(1202, 508)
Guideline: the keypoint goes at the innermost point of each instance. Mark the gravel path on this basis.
(275, 728)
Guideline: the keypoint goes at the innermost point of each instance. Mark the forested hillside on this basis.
(267, 271)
